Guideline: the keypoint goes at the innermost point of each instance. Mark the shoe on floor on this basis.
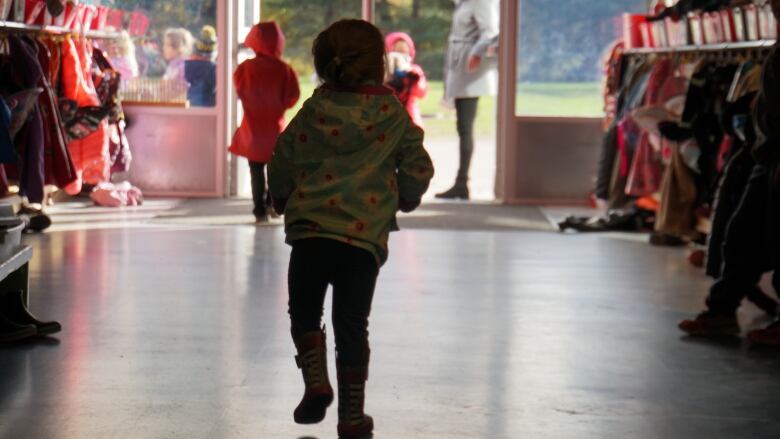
(769, 336)
(34, 219)
(711, 324)
(458, 191)
(664, 240)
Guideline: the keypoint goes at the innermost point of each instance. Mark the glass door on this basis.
(245, 14)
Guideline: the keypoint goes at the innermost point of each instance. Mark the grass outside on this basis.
(537, 99)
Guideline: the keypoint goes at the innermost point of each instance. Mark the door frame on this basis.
(234, 42)
(540, 160)
(506, 156)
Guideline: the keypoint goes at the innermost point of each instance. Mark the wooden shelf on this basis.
(54, 30)
(742, 45)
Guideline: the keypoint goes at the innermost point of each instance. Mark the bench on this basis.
(14, 257)
(14, 269)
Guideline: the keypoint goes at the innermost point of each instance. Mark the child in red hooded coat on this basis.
(267, 87)
(404, 77)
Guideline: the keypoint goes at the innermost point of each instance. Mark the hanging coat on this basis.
(267, 87)
(7, 152)
(87, 124)
(418, 87)
(58, 165)
(474, 29)
(22, 71)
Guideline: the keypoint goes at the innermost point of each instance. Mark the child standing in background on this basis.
(405, 77)
(267, 87)
(122, 55)
(177, 46)
(348, 161)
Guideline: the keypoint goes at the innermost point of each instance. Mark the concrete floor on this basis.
(181, 331)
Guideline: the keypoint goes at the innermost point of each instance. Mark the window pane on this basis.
(428, 25)
(560, 49)
(168, 53)
(249, 12)
(301, 22)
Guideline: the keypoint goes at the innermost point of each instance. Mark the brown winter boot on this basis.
(353, 423)
(312, 361)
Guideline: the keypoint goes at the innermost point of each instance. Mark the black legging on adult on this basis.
(466, 112)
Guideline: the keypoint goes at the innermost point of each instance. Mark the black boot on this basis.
(459, 190)
(12, 308)
(34, 219)
(10, 331)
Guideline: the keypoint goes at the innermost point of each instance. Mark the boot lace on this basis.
(351, 399)
(312, 368)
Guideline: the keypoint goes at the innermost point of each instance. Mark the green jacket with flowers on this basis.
(343, 163)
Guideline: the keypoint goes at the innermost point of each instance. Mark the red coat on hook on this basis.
(267, 87)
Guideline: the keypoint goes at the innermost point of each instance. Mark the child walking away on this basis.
(348, 161)
(267, 87)
(403, 76)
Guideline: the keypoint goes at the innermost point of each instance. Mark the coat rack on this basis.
(16, 27)
(758, 45)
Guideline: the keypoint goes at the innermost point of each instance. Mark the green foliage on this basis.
(301, 21)
(564, 40)
(560, 41)
(429, 30)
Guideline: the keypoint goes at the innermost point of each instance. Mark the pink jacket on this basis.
(420, 89)
(267, 87)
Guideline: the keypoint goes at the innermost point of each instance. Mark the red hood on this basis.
(392, 37)
(266, 38)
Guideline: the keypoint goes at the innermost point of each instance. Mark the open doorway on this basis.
(300, 23)
(428, 24)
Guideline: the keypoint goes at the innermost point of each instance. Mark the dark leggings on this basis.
(466, 112)
(257, 174)
(317, 262)
(750, 246)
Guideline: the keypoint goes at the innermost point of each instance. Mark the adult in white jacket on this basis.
(470, 71)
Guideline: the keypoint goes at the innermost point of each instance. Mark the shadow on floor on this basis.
(232, 211)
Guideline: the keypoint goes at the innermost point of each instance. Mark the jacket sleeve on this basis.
(291, 90)
(767, 112)
(414, 166)
(420, 88)
(486, 17)
(237, 79)
(280, 167)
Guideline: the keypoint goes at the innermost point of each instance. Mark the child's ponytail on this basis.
(334, 69)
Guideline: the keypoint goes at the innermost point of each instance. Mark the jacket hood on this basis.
(392, 37)
(266, 38)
